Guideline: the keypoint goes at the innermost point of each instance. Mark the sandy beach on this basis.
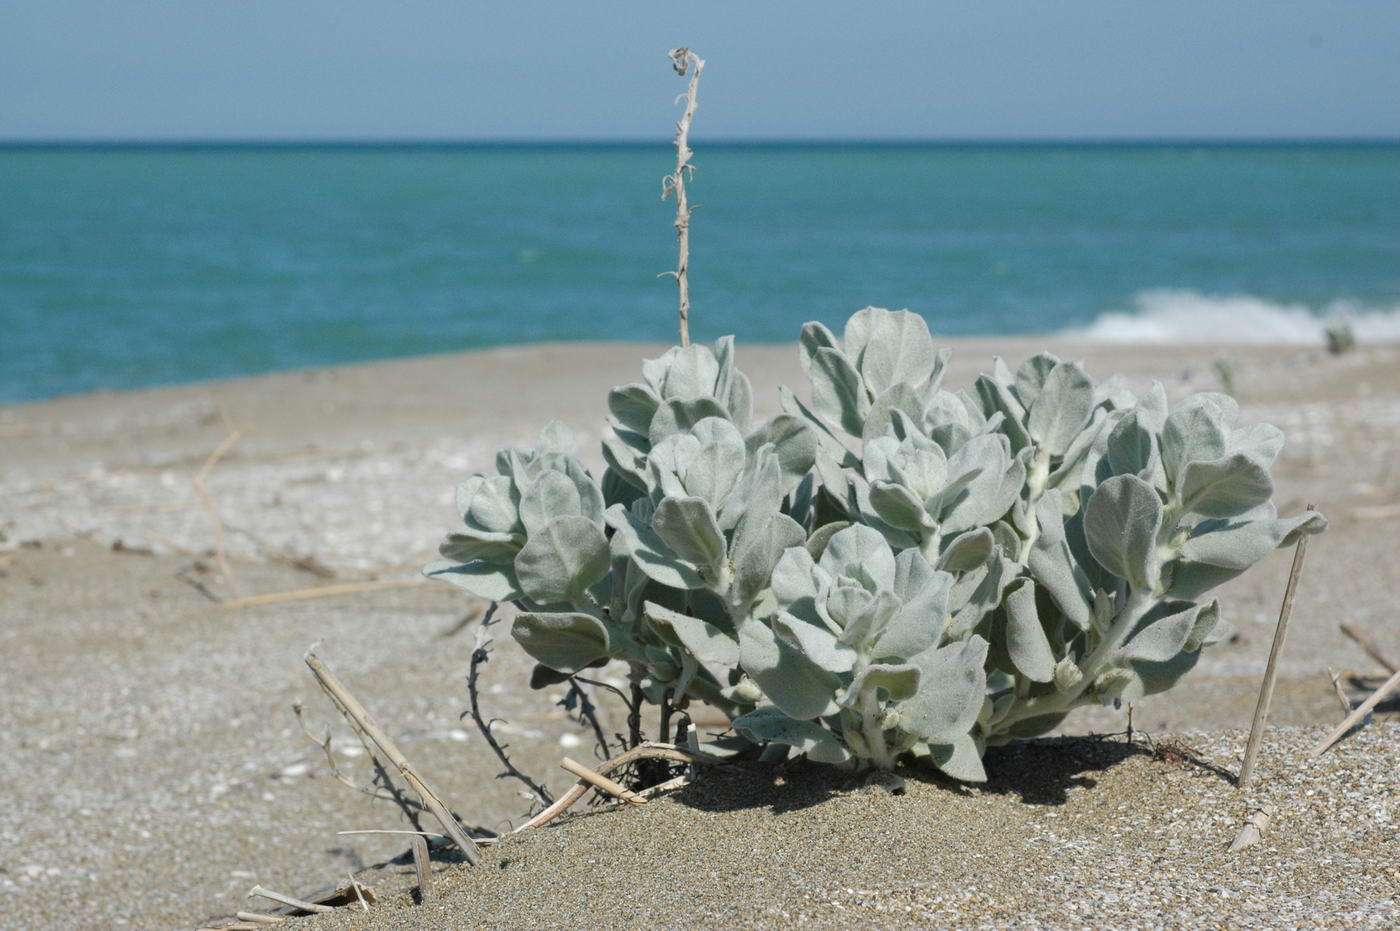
(156, 772)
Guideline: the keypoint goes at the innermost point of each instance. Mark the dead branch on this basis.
(293, 901)
(356, 712)
(235, 434)
(683, 60)
(1369, 645)
(577, 697)
(1358, 714)
(261, 918)
(647, 751)
(391, 793)
(480, 655)
(1266, 691)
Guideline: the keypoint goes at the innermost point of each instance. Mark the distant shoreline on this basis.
(1359, 142)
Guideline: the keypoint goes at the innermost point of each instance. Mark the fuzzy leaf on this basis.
(1240, 546)
(1025, 636)
(802, 690)
(770, 725)
(492, 581)
(689, 528)
(703, 640)
(1054, 567)
(567, 642)
(960, 759)
(1121, 524)
(1062, 408)
(551, 495)
(565, 558)
(1162, 633)
(1225, 487)
(637, 540)
(967, 551)
(837, 391)
(950, 692)
(817, 644)
(860, 553)
(897, 350)
(898, 682)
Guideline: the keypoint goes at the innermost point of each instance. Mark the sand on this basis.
(155, 771)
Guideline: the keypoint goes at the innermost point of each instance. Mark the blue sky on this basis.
(777, 69)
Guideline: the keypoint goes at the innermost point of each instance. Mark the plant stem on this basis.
(683, 60)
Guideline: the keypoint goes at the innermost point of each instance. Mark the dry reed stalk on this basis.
(1356, 716)
(683, 60)
(424, 868)
(285, 899)
(260, 918)
(1266, 691)
(1341, 693)
(321, 591)
(599, 781)
(352, 709)
(1369, 645)
(236, 434)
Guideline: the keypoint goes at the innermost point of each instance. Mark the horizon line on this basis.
(253, 142)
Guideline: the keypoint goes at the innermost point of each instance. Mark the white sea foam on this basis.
(1191, 317)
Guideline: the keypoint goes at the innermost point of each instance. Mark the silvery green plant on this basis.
(891, 570)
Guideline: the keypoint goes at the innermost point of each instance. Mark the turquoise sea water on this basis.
(122, 267)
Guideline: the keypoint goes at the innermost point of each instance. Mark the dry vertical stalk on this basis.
(480, 654)
(235, 434)
(1356, 716)
(1341, 694)
(1369, 645)
(424, 868)
(683, 60)
(1266, 691)
(352, 709)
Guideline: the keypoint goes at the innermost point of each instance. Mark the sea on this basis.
(130, 266)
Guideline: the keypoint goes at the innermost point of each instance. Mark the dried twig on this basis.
(1359, 713)
(428, 834)
(321, 591)
(683, 60)
(1255, 827)
(423, 866)
(1266, 691)
(1369, 645)
(390, 793)
(261, 918)
(355, 885)
(647, 751)
(356, 712)
(599, 781)
(577, 696)
(480, 655)
(285, 899)
(1341, 693)
(234, 436)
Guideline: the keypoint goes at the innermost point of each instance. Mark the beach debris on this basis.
(1266, 690)
(1255, 827)
(423, 866)
(646, 751)
(1366, 643)
(683, 60)
(261, 918)
(293, 901)
(1357, 715)
(360, 890)
(599, 781)
(1340, 336)
(356, 713)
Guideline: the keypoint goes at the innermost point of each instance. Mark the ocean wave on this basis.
(1184, 316)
